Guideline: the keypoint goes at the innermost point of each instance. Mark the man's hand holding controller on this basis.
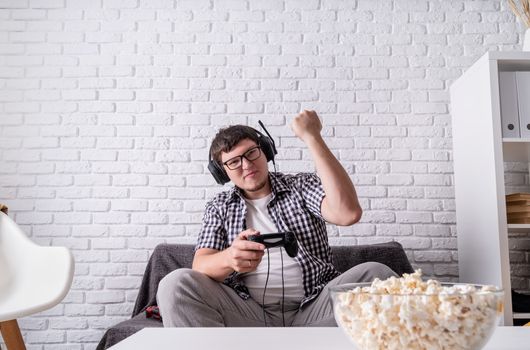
(244, 255)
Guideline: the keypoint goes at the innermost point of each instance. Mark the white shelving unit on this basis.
(479, 154)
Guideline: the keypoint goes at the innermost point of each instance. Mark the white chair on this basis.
(32, 278)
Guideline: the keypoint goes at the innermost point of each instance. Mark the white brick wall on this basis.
(107, 108)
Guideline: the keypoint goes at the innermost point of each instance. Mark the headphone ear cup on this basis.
(218, 173)
(267, 148)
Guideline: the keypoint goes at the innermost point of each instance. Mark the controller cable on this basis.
(281, 253)
(265, 288)
(269, 266)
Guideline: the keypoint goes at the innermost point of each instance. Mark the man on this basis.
(266, 287)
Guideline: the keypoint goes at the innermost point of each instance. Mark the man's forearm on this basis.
(213, 265)
(339, 189)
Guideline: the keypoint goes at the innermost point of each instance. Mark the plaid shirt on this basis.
(295, 207)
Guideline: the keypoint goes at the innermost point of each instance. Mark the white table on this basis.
(504, 338)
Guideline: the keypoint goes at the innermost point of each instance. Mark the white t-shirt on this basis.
(258, 218)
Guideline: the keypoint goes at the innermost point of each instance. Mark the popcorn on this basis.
(408, 313)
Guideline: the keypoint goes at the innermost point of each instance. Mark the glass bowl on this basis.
(456, 316)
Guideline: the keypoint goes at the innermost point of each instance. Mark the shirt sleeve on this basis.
(212, 234)
(310, 186)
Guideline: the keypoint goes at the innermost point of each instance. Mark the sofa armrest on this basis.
(125, 329)
(165, 258)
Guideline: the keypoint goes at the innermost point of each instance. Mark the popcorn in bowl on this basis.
(409, 313)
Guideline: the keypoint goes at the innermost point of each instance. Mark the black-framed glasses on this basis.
(237, 162)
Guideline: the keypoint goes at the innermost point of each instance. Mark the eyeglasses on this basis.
(237, 162)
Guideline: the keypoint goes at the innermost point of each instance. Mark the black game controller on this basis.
(280, 239)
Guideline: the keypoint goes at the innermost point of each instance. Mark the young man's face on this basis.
(252, 176)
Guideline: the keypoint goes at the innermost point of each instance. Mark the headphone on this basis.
(267, 145)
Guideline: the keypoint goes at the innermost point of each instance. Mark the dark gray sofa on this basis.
(168, 257)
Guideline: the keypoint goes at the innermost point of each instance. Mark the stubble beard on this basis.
(258, 187)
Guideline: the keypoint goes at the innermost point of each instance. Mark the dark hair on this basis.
(228, 138)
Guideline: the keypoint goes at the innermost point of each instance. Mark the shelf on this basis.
(518, 228)
(515, 139)
(521, 315)
(516, 151)
(480, 155)
(511, 61)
